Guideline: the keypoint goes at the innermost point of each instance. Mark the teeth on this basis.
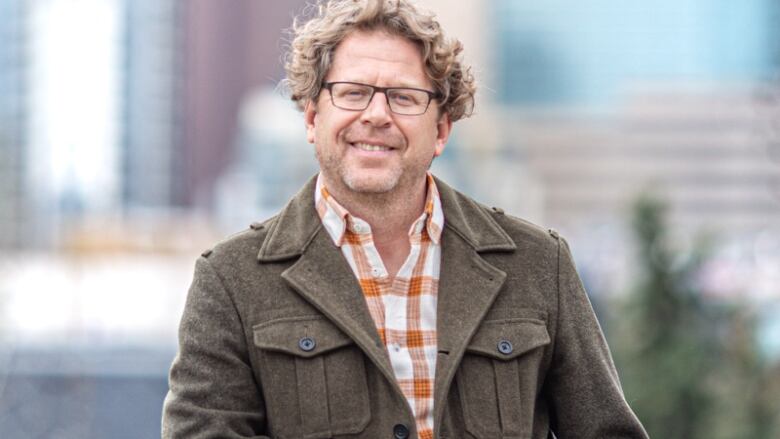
(367, 147)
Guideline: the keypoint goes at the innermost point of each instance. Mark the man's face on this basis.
(375, 150)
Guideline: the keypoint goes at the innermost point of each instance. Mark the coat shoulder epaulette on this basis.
(248, 233)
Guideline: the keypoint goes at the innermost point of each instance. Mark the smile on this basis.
(369, 147)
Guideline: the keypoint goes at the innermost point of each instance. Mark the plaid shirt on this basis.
(404, 308)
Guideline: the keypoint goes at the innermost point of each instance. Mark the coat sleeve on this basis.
(212, 390)
(583, 385)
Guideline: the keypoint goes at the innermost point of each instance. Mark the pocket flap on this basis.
(305, 336)
(506, 339)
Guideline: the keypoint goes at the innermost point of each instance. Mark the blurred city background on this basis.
(136, 133)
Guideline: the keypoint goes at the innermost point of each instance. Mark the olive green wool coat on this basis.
(244, 369)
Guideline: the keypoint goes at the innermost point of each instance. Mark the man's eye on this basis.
(354, 93)
(404, 98)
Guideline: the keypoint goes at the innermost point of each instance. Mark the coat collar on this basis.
(296, 225)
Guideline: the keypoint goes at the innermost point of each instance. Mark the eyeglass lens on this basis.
(406, 101)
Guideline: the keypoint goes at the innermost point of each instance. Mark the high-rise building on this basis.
(153, 159)
(228, 51)
(706, 150)
(73, 112)
(13, 206)
(581, 54)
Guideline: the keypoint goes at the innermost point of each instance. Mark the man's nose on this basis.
(378, 111)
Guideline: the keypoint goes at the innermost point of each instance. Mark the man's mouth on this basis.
(369, 147)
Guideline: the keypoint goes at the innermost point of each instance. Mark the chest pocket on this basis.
(498, 376)
(313, 378)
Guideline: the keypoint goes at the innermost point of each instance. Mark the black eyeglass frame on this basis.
(374, 89)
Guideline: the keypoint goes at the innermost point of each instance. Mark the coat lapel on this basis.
(468, 285)
(321, 275)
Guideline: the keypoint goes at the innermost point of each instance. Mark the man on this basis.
(380, 302)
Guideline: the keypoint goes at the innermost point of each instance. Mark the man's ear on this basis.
(310, 118)
(443, 130)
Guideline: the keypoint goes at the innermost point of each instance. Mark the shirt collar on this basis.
(335, 218)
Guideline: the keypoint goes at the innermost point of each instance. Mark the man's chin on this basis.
(370, 184)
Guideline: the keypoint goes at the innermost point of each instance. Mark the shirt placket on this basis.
(373, 271)
(422, 370)
(397, 341)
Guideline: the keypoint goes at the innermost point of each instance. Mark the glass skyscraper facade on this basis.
(13, 65)
(562, 52)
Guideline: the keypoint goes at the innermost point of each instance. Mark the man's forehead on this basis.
(365, 56)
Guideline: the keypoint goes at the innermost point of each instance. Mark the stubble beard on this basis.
(377, 190)
(356, 180)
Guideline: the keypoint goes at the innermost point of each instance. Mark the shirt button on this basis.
(376, 272)
(307, 344)
(396, 347)
(400, 431)
(505, 347)
(358, 228)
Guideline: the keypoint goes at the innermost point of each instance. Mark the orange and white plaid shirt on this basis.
(403, 308)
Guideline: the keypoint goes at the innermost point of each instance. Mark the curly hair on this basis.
(315, 40)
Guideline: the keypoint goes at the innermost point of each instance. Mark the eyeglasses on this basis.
(355, 96)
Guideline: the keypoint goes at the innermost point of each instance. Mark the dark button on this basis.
(505, 347)
(400, 431)
(306, 344)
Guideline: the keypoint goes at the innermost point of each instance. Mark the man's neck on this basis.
(390, 215)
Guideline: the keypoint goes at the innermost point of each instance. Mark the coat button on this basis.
(400, 431)
(505, 347)
(306, 344)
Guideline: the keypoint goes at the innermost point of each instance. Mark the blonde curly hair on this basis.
(314, 41)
